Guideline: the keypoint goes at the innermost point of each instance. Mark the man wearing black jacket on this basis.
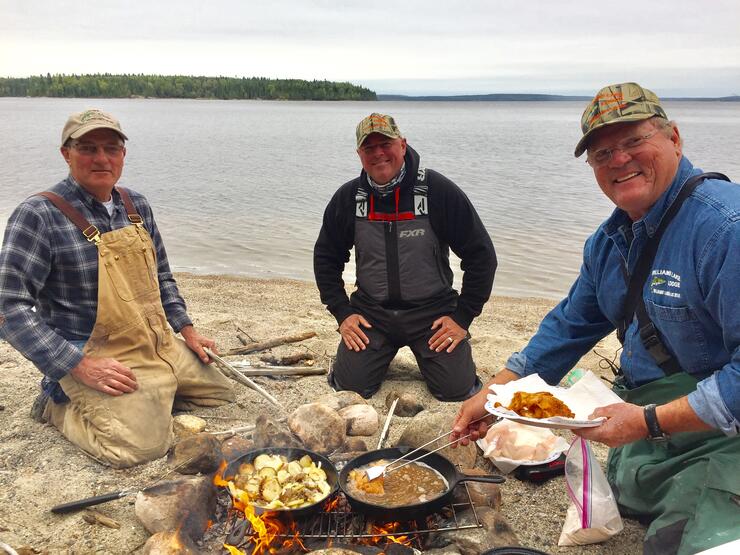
(402, 219)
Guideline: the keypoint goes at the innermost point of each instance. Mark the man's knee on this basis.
(363, 371)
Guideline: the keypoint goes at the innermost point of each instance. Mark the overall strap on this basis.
(635, 303)
(90, 232)
(133, 215)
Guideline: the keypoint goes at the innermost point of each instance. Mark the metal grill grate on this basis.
(343, 524)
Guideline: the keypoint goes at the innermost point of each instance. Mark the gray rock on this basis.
(340, 399)
(362, 420)
(269, 433)
(319, 427)
(407, 405)
(200, 453)
(427, 425)
(187, 504)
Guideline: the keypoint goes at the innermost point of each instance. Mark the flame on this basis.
(218, 478)
(385, 532)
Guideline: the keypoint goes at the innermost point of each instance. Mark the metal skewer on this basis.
(376, 471)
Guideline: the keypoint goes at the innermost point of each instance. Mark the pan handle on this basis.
(493, 479)
(88, 502)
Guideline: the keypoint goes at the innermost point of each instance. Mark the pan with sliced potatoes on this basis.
(282, 479)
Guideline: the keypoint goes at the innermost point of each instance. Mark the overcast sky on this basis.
(675, 47)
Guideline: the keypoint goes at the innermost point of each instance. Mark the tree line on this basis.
(105, 85)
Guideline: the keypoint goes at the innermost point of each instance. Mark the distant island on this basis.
(509, 97)
(104, 85)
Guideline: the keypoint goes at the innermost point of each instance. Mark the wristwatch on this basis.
(655, 432)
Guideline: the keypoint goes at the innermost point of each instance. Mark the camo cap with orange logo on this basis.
(377, 123)
(617, 104)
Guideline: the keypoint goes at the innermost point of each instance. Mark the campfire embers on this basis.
(335, 526)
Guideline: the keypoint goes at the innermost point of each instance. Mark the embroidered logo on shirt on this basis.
(666, 283)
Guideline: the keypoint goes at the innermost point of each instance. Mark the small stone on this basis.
(362, 420)
(186, 424)
(198, 453)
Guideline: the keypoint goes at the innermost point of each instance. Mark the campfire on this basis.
(335, 524)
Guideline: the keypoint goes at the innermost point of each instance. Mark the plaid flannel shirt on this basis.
(49, 276)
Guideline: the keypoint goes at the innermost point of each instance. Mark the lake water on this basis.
(239, 187)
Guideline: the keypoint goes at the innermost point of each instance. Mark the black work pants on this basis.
(449, 376)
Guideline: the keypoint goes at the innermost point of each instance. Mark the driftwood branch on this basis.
(230, 372)
(287, 360)
(264, 345)
(288, 371)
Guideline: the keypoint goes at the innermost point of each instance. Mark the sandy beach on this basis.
(39, 468)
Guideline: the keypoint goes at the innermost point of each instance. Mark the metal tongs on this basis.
(382, 469)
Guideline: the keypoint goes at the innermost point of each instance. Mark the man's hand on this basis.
(449, 334)
(471, 410)
(625, 423)
(106, 375)
(196, 342)
(474, 408)
(352, 335)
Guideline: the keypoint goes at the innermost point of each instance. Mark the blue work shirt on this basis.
(49, 276)
(692, 295)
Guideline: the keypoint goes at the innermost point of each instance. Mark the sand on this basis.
(39, 468)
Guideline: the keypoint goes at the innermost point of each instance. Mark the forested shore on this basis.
(180, 86)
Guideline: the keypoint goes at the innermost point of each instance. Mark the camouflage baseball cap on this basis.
(377, 123)
(84, 122)
(617, 104)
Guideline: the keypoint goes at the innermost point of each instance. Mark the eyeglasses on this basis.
(602, 156)
(90, 149)
(385, 145)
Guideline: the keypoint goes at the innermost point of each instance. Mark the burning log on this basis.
(264, 345)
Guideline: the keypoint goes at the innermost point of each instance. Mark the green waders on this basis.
(688, 487)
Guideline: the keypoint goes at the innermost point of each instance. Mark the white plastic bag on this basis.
(593, 515)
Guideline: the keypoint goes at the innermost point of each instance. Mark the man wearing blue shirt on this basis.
(675, 440)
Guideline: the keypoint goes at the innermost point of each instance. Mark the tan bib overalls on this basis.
(131, 327)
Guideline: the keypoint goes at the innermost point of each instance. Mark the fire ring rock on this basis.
(319, 427)
(185, 504)
(362, 420)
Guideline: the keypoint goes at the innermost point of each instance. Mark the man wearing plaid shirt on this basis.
(87, 295)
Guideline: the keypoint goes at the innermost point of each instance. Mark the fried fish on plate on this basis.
(542, 404)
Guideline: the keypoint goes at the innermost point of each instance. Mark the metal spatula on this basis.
(381, 469)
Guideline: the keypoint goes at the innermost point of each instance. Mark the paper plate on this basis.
(556, 422)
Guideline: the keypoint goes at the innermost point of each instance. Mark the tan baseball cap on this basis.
(617, 104)
(377, 123)
(84, 122)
